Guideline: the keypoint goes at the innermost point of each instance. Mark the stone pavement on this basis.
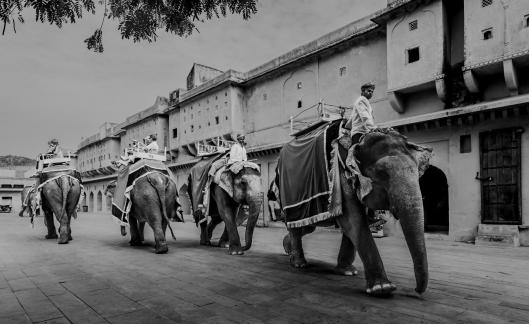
(98, 278)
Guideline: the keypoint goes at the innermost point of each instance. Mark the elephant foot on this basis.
(135, 243)
(381, 289)
(286, 244)
(297, 260)
(348, 270)
(206, 243)
(51, 236)
(223, 244)
(63, 239)
(161, 249)
(235, 250)
(70, 238)
(21, 214)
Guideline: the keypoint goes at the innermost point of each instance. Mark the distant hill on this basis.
(14, 160)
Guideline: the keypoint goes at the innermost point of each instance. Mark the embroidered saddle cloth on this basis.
(127, 178)
(306, 176)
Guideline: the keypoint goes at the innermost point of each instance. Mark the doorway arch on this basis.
(434, 189)
(91, 202)
(99, 201)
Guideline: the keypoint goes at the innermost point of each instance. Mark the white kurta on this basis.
(361, 119)
(237, 154)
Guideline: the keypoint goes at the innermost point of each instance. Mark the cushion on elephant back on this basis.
(57, 170)
(238, 166)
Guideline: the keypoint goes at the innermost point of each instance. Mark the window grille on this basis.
(413, 25)
(485, 3)
(300, 85)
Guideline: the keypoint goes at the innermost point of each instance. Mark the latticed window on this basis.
(413, 25)
(487, 33)
(485, 3)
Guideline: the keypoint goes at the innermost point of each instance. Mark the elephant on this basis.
(393, 164)
(60, 196)
(154, 201)
(29, 202)
(246, 191)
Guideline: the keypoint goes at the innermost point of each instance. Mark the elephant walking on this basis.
(392, 164)
(153, 200)
(60, 197)
(246, 191)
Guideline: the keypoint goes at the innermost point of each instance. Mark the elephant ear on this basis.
(422, 155)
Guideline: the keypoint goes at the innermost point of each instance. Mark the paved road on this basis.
(98, 278)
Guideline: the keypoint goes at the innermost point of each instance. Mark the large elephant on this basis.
(153, 201)
(246, 191)
(60, 196)
(393, 165)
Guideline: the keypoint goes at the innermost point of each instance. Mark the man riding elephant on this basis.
(145, 193)
(221, 189)
(57, 190)
(380, 172)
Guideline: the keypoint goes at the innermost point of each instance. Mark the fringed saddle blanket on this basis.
(127, 178)
(197, 181)
(306, 176)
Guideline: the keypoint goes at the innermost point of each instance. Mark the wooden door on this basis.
(500, 159)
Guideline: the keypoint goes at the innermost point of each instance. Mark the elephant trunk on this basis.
(251, 222)
(406, 205)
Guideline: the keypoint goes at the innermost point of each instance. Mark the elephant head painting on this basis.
(393, 166)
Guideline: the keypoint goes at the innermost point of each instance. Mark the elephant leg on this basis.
(134, 231)
(346, 257)
(354, 225)
(227, 208)
(224, 239)
(50, 224)
(287, 245)
(159, 236)
(297, 257)
(21, 213)
(141, 231)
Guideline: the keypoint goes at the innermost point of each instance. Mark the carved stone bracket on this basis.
(441, 88)
(511, 77)
(470, 81)
(396, 102)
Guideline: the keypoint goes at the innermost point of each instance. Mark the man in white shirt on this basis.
(238, 152)
(361, 120)
(152, 145)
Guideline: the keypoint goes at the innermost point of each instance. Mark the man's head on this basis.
(154, 137)
(368, 89)
(53, 142)
(240, 138)
(147, 140)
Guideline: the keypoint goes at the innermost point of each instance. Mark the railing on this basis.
(324, 112)
(220, 146)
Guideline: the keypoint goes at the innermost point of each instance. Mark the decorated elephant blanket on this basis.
(197, 181)
(305, 177)
(127, 178)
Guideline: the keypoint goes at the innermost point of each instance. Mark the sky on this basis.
(51, 86)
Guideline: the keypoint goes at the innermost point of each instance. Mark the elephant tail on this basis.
(160, 190)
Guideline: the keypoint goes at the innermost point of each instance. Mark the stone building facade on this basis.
(449, 74)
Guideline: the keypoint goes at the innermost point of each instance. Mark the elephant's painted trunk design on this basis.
(406, 205)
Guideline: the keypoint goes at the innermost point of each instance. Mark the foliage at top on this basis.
(138, 20)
